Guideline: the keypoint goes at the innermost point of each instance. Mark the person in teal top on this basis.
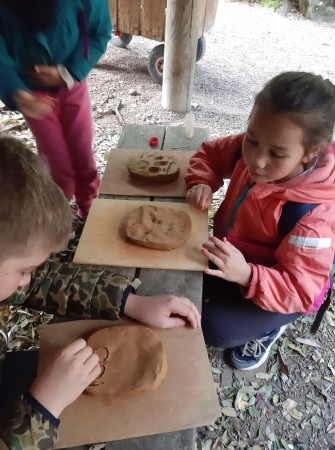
(47, 49)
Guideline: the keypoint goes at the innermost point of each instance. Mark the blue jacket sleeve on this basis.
(99, 30)
(10, 79)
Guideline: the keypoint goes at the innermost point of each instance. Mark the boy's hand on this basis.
(231, 263)
(36, 107)
(162, 311)
(200, 196)
(60, 381)
(47, 76)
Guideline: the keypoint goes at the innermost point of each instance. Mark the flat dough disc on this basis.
(158, 228)
(132, 358)
(154, 167)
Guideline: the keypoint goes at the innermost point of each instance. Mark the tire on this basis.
(201, 49)
(121, 39)
(156, 59)
(156, 63)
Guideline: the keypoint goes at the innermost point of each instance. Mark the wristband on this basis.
(132, 288)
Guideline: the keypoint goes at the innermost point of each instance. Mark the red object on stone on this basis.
(153, 141)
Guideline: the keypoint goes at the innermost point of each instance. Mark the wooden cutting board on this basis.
(102, 241)
(186, 398)
(117, 181)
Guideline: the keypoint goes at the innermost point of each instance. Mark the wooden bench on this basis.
(184, 283)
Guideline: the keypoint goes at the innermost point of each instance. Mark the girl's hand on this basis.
(200, 196)
(231, 263)
(47, 76)
(61, 380)
(162, 311)
(36, 107)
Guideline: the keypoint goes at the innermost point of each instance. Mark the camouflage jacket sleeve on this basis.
(25, 428)
(75, 291)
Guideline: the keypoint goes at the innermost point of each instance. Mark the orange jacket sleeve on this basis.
(214, 161)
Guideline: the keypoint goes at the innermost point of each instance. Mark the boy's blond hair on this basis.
(33, 210)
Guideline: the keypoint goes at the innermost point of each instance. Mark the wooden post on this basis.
(181, 40)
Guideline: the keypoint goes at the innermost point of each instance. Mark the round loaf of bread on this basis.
(154, 167)
(132, 360)
(158, 227)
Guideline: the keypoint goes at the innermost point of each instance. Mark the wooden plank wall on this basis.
(147, 17)
(113, 13)
(129, 16)
(153, 19)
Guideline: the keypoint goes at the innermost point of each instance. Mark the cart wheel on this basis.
(156, 63)
(201, 49)
(156, 59)
(121, 39)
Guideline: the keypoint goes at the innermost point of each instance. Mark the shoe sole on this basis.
(266, 354)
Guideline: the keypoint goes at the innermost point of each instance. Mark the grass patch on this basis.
(273, 4)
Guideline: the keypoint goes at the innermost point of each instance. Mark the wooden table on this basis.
(183, 283)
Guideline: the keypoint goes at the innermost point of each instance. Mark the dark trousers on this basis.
(18, 372)
(229, 320)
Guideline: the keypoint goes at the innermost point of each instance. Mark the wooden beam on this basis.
(181, 39)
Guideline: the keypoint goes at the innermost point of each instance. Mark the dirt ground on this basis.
(289, 403)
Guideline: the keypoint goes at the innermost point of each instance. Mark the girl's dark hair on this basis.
(37, 14)
(309, 100)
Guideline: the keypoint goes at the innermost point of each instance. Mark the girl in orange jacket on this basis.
(260, 280)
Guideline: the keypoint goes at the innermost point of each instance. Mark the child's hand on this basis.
(231, 263)
(47, 76)
(162, 311)
(200, 196)
(33, 106)
(60, 381)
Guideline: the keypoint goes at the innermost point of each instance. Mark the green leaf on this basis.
(275, 399)
(254, 412)
(266, 390)
(270, 434)
(316, 422)
(263, 376)
(230, 412)
(296, 348)
(310, 342)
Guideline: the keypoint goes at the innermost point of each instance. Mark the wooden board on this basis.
(170, 138)
(102, 241)
(138, 136)
(185, 399)
(117, 181)
(175, 138)
(153, 19)
(182, 283)
(113, 13)
(129, 16)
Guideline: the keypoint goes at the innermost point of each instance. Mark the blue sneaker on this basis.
(254, 353)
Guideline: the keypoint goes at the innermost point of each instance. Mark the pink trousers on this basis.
(64, 142)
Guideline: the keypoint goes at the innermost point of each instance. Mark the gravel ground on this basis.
(289, 403)
(247, 46)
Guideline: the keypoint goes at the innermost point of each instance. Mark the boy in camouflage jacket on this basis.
(35, 220)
